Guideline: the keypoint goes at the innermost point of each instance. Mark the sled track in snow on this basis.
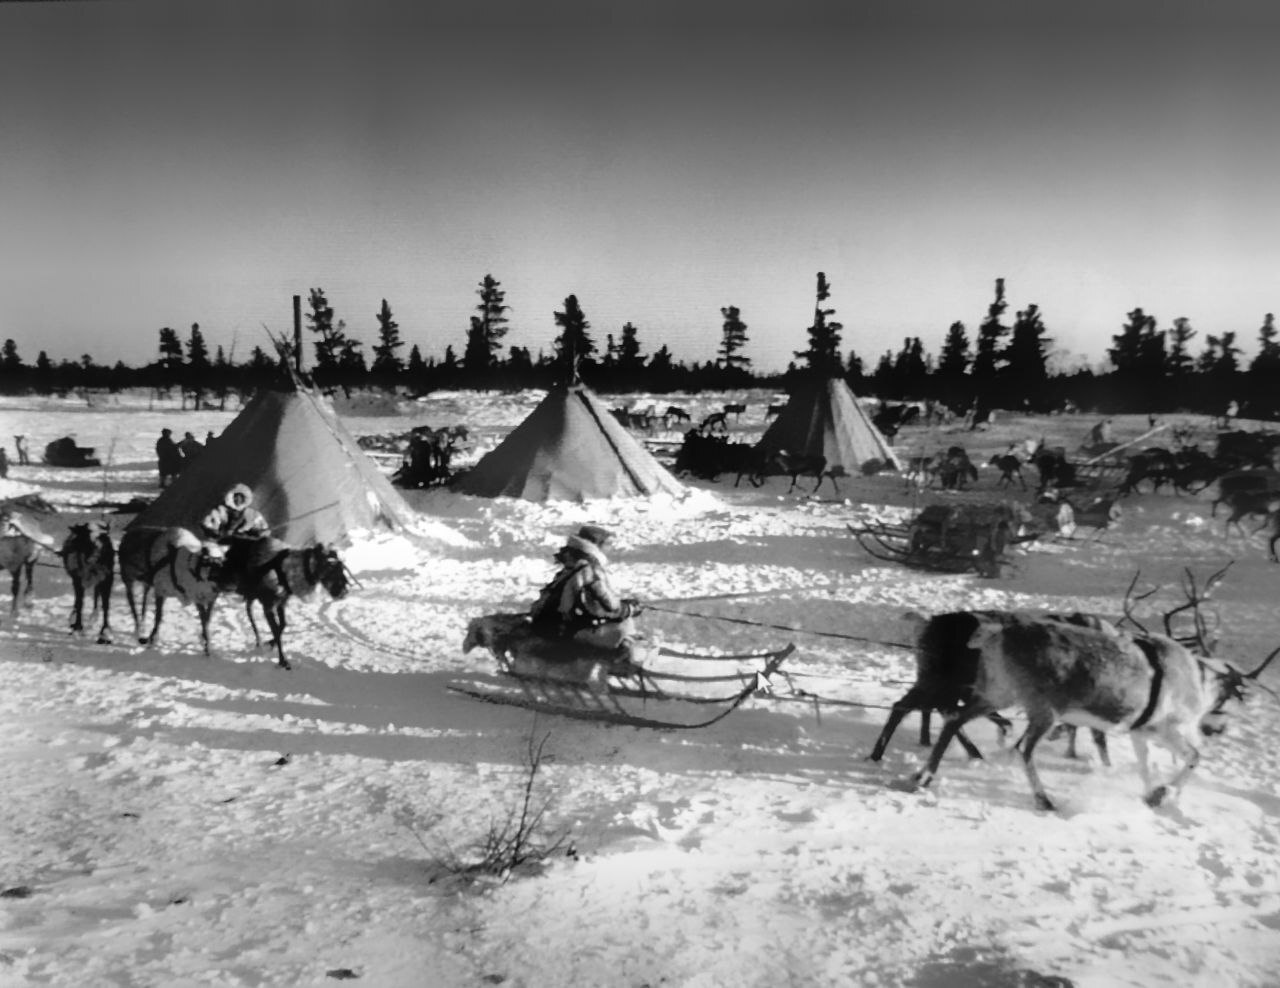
(335, 621)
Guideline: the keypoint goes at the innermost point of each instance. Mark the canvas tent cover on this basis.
(825, 418)
(569, 448)
(309, 478)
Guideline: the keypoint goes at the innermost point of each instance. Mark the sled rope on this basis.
(778, 627)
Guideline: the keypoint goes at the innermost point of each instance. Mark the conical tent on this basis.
(569, 448)
(309, 477)
(825, 418)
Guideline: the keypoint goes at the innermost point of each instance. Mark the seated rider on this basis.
(580, 603)
(235, 518)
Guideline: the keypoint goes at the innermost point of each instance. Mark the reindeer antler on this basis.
(1200, 638)
(1130, 600)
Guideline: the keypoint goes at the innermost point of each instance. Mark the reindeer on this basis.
(19, 552)
(270, 572)
(796, 465)
(520, 651)
(955, 469)
(941, 677)
(713, 420)
(920, 472)
(734, 410)
(675, 413)
(1087, 671)
(1010, 468)
(773, 410)
(1244, 504)
(90, 560)
(1252, 492)
(169, 562)
(1155, 464)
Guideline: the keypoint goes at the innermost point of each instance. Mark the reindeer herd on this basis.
(173, 563)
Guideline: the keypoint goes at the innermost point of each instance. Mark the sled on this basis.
(952, 538)
(651, 687)
(65, 453)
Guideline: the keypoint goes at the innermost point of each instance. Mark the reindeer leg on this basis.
(950, 729)
(137, 610)
(1178, 743)
(15, 587)
(205, 611)
(1040, 722)
(1100, 742)
(275, 619)
(77, 606)
(916, 698)
(248, 609)
(104, 588)
(154, 637)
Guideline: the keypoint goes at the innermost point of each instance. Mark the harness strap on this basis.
(1157, 681)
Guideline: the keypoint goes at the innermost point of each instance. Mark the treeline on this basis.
(1005, 365)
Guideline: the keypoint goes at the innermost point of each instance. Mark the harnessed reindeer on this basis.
(271, 572)
(19, 553)
(90, 561)
(169, 562)
(1088, 672)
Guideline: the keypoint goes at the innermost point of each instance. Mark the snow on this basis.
(176, 819)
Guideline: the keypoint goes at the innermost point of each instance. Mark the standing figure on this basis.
(20, 444)
(169, 456)
(190, 447)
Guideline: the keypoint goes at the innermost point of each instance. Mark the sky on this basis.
(178, 163)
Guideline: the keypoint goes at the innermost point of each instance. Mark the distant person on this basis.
(1100, 433)
(190, 447)
(4, 464)
(235, 518)
(20, 444)
(208, 440)
(169, 457)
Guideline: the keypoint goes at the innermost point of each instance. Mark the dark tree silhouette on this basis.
(986, 360)
(733, 337)
(1026, 371)
(823, 355)
(387, 364)
(630, 360)
(574, 344)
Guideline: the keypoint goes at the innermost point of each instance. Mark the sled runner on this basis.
(640, 686)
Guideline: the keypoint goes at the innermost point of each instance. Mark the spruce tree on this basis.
(574, 344)
(986, 360)
(732, 339)
(629, 358)
(198, 365)
(1027, 372)
(1264, 371)
(823, 356)
(387, 364)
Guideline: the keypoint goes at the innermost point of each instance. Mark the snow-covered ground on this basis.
(171, 819)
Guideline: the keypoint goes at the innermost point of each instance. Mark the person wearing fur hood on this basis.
(580, 602)
(235, 517)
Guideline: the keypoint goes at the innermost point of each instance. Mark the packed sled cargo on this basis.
(822, 418)
(309, 478)
(570, 448)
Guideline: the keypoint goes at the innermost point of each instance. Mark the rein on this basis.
(778, 627)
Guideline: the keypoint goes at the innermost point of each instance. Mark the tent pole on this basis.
(297, 333)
